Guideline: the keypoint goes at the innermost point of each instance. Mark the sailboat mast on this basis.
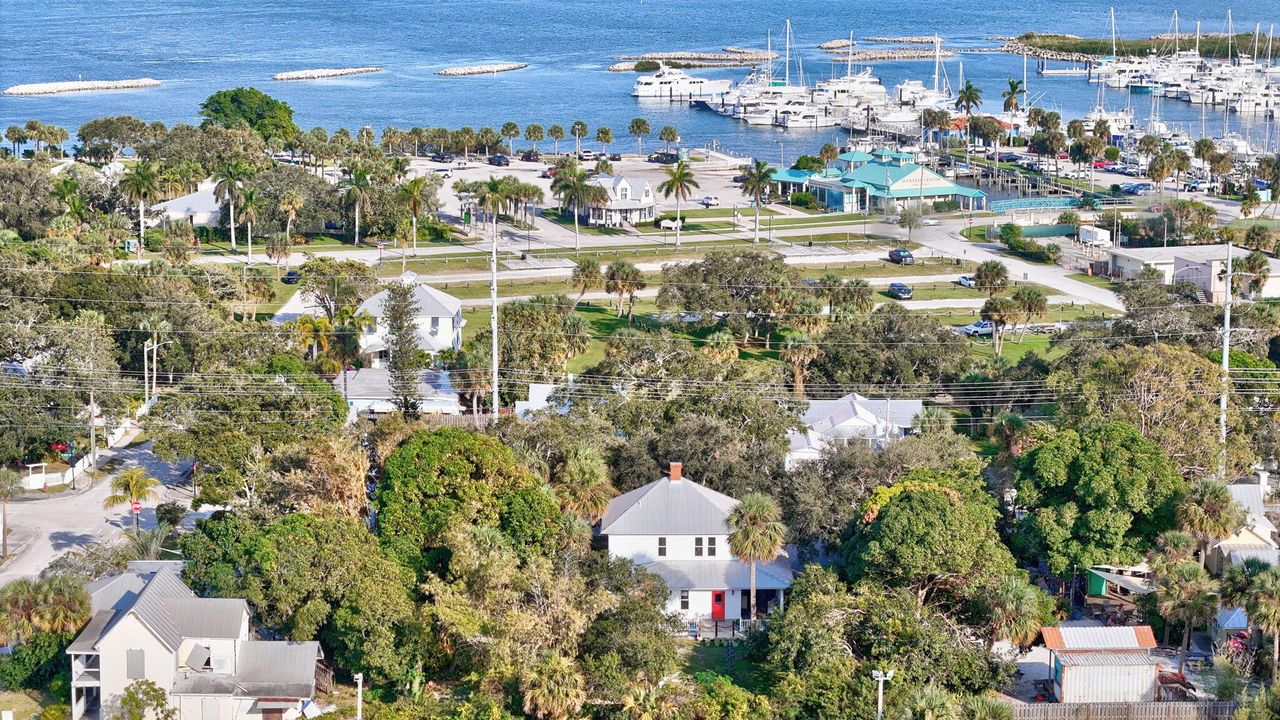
(788, 57)
(1115, 52)
(1197, 37)
(1177, 33)
(768, 51)
(937, 60)
(848, 61)
(1230, 33)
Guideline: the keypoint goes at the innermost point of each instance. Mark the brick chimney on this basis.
(674, 472)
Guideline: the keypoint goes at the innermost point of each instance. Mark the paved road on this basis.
(74, 519)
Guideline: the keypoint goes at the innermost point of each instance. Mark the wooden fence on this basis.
(1127, 711)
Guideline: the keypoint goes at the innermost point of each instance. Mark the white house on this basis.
(853, 417)
(630, 202)
(368, 391)
(1257, 539)
(677, 529)
(439, 321)
(1203, 265)
(148, 625)
(200, 208)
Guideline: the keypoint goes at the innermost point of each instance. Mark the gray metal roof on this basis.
(726, 574)
(1268, 555)
(208, 617)
(1249, 497)
(430, 302)
(664, 507)
(265, 669)
(152, 606)
(1108, 659)
(87, 640)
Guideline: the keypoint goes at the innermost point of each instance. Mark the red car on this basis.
(549, 172)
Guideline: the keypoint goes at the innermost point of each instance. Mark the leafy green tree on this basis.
(130, 486)
(404, 357)
(144, 700)
(1100, 495)
(747, 292)
(756, 535)
(334, 284)
(267, 116)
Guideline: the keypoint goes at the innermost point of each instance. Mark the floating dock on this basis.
(70, 86)
(320, 73)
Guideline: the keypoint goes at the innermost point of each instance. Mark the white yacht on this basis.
(676, 83)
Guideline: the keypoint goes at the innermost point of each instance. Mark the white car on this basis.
(967, 281)
(982, 328)
(670, 224)
(710, 201)
(931, 222)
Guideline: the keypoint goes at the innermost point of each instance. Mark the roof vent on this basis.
(675, 472)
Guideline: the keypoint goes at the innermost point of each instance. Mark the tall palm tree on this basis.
(314, 331)
(227, 183)
(1263, 608)
(553, 688)
(251, 202)
(510, 131)
(1032, 305)
(860, 296)
(756, 535)
(604, 136)
(132, 485)
(624, 280)
(533, 133)
(577, 190)
(1015, 611)
(582, 484)
(757, 181)
(639, 128)
(279, 247)
(680, 184)
(1012, 96)
(578, 130)
(991, 277)
(669, 135)
(290, 203)
(404, 236)
(358, 192)
(799, 350)
(414, 194)
(140, 184)
(968, 99)
(1000, 312)
(1194, 602)
(556, 133)
(587, 276)
(1209, 513)
(10, 487)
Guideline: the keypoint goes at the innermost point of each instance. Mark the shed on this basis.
(1080, 677)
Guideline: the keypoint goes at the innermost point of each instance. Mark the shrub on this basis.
(171, 513)
(812, 163)
(802, 199)
(1112, 154)
(943, 206)
(647, 65)
(56, 712)
(153, 239)
(1069, 218)
(36, 662)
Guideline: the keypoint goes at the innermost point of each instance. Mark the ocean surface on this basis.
(196, 47)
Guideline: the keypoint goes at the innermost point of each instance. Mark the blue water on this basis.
(199, 47)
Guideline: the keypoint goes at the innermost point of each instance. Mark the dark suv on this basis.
(902, 256)
(531, 156)
(442, 158)
(499, 160)
(899, 291)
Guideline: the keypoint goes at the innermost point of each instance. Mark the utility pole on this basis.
(493, 316)
(1226, 380)
(146, 384)
(880, 678)
(359, 696)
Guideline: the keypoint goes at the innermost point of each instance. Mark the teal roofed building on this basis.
(884, 181)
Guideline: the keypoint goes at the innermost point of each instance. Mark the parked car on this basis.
(548, 173)
(587, 155)
(982, 328)
(442, 157)
(931, 222)
(967, 281)
(1007, 157)
(291, 278)
(499, 160)
(739, 179)
(664, 158)
(710, 201)
(902, 256)
(899, 291)
(531, 156)
(615, 157)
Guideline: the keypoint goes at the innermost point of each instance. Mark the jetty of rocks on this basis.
(54, 88)
(319, 73)
(492, 69)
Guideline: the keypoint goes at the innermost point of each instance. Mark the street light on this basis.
(880, 678)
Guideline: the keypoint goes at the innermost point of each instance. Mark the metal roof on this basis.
(1268, 555)
(664, 507)
(152, 607)
(87, 640)
(1250, 498)
(208, 617)
(264, 669)
(1079, 637)
(1232, 618)
(1107, 659)
(430, 301)
(726, 574)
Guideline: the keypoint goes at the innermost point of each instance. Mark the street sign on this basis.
(137, 506)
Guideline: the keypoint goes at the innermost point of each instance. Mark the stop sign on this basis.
(137, 506)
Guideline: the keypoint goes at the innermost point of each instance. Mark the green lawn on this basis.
(566, 220)
(937, 291)
(1095, 280)
(688, 227)
(718, 212)
(725, 660)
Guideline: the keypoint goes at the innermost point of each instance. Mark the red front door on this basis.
(717, 605)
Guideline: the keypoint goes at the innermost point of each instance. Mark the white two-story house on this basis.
(148, 625)
(677, 529)
(439, 321)
(630, 202)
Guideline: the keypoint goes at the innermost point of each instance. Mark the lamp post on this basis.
(880, 678)
(359, 678)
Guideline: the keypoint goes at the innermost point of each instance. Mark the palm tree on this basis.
(556, 133)
(314, 332)
(1000, 312)
(756, 534)
(534, 134)
(578, 130)
(404, 236)
(981, 707)
(1011, 96)
(132, 485)
(668, 134)
(623, 279)
(1194, 602)
(1209, 513)
(62, 604)
(290, 203)
(679, 183)
(1263, 608)
(859, 296)
(930, 702)
(228, 180)
(604, 136)
(414, 194)
(577, 190)
(587, 276)
(1015, 610)
(359, 193)
(553, 688)
(968, 99)
(991, 277)
(510, 131)
(639, 128)
(582, 484)
(1032, 305)
(799, 350)
(149, 544)
(250, 203)
(10, 487)
(757, 182)
(279, 247)
(140, 184)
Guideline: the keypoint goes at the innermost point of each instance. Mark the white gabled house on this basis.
(852, 418)
(1256, 540)
(677, 529)
(630, 202)
(439, 321)
(148, 625)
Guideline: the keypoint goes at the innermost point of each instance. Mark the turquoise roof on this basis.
(879, 179)
(855, 156)
(792, 176)
(876, 173)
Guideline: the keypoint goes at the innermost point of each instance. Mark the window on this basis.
(135, 666)
(697, 546)
(684, 599)
(435, 325)
(711, 547)
(662, 547)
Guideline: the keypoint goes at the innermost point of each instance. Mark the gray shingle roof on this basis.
(668, 508)
(729, 573)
